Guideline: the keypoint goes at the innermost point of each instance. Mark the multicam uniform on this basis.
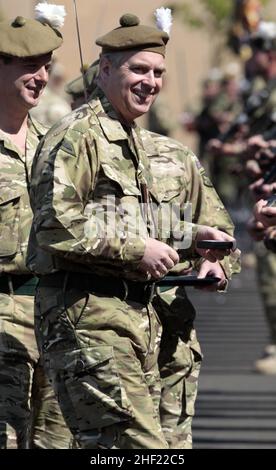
(179, 178)
(99, 334)
(20, 366)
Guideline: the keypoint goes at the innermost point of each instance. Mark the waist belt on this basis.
(141, 292)
(21, 284)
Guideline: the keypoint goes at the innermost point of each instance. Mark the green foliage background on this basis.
(218, 13)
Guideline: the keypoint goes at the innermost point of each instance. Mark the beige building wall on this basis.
(189, 50)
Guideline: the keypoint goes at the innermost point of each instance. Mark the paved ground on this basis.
(236, 408)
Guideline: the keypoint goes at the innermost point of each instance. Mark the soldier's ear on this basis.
(105, 68)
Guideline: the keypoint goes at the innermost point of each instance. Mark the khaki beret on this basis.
(132, 35)
(24, 37)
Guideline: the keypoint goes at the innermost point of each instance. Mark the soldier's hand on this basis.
(255, 229)
(257, 141)
(254, 144)
(210, 233)
(253, 169)
(214, 146)
(158, 258)
(212, 270)
(261, 190)
(265, 158)
(265, 215)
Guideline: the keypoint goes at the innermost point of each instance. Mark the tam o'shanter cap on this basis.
(132, 35)
(25, 37)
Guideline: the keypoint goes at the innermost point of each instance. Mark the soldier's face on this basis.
(134, 85)
(23, 80)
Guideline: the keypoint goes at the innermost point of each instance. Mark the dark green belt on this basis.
(22, 284)
(124, 289)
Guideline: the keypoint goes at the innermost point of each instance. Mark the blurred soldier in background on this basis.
(75, 88)
(27, 404)
(262, 227)
(221, 104)
(265, 214)
(263, 123)
(201, 120)
(245, 20)
(226, 107)
(53, 104)
(250, 131)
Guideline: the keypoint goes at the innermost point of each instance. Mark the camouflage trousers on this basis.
(266, 270)
(179, 364)
(29, 413)
(101, 354)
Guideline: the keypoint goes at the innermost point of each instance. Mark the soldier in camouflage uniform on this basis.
(180, 354)
(99, 251)
(173, 167)
(25, 55)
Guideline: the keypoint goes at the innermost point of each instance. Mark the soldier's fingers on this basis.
(157, 274)
(162, 268)
(168, 263)
(173, 256)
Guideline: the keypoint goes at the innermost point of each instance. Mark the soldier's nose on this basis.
(42, 74)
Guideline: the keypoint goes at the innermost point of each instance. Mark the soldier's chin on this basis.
(144, 106)
(32, 102)
(140, 111)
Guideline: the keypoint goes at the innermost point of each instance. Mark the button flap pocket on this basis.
(81, 359)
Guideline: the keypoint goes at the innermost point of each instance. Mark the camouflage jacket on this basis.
(90, 175)
(15, 210)
(180, 179)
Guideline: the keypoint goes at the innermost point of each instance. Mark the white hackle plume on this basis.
(267, 29)
(52, 14)
(163, 19)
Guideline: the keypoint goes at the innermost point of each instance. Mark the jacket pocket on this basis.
(169, 190)
(128, 187)
(9, 220)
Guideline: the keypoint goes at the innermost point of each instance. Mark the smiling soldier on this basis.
(28, 409)
(98, 331)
